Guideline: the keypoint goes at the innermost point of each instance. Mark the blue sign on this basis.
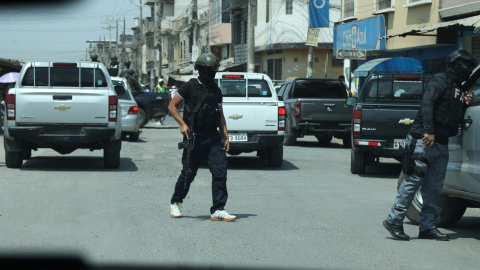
(360, 35)
(318, 13)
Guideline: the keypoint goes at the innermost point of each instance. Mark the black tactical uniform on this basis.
(440, 114)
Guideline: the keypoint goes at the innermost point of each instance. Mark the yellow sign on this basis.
(235, 116)
(312, 37)
(62, 107)
(406, 121)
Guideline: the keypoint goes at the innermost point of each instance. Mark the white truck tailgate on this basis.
(62, 106)
(251, 116)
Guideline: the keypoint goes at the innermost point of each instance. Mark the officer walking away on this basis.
(94, 57)
(114, 68)
(425, 163)
(203, 94)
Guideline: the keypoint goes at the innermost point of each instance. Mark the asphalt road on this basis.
(311, 213)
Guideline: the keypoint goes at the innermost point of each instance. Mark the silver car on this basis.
(131, 119)
(461, 188)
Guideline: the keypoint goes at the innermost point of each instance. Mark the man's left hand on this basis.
(468, 98)
(226, 145)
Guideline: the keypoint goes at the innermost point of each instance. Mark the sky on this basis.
(32, 31)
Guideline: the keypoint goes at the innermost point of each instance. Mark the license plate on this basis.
(398, 142)
(238, 137)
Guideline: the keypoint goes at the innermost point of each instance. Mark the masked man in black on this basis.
(439, 118)
(204, 95)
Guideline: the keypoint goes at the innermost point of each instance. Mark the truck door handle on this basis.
(468, 121)
(56, 97)
(329, 105)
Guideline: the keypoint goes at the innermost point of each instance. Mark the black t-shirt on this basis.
(191, 92)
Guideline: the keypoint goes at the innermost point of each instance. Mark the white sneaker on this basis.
(175, 210)
(157, 123)
(222, 215)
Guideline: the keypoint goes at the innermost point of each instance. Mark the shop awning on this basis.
(471, 21)
(389, 66)
(229, 66)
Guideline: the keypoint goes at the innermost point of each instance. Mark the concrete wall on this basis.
(292, 69)
(403, 19)
(289, 28)
(454, 3)
(220, 34)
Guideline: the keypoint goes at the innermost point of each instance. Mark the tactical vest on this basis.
(449, 110)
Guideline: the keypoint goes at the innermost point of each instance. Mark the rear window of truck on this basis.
(395, 88)
(318, 89)
(64, 77)
(126, 96)
(240, 88)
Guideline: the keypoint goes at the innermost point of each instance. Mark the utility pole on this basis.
(116, 43)
(251, 38)
(124, 50)
(103, 54)
(195, 23)
(311, 55)
(140, 70)
(158, 33)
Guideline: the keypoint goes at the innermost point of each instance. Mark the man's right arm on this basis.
(176, 101)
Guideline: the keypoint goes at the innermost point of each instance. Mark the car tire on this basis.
(347, 142)
(290, 138)
(134, 136)
(324, 140)
(452, 208)
(275, 158)
(111, 160)
(26, 153)
(13, 159)
(144, 118)
(357, 165)
(124, 136)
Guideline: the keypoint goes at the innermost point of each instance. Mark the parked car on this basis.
(131, 119)
(316, 107)
(382, 116)
(254, 115)
(151, 105)
(461, 188)
(63, 106)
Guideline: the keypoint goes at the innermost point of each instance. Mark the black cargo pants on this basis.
(210, 148)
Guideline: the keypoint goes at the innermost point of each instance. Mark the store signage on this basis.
(360, 35)
(312, 37)
(351, 54)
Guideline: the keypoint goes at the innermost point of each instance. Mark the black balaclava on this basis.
(206, 75)
(460, 65)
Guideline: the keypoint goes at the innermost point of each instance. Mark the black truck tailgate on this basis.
(387, 120)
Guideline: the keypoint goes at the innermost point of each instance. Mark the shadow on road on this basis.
(466, 227)
(382, 170)
(203, 218)
(92, 164)
(314, 144)
(255, 163)
(160, 127)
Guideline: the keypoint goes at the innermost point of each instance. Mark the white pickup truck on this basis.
(255, 117)
(63, 106)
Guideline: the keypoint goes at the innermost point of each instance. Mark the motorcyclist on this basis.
(440, 115)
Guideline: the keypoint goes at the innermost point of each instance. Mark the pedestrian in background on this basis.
(160, 88)
(440, 115)
(147, 88)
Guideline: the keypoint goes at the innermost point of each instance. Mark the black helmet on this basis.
(113, 56)
(207, 65)
(127, 62)
(461, 63)
(94, 56)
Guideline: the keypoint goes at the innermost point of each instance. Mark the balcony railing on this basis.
(349, 9)
(384, 4)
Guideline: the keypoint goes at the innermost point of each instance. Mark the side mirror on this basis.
(135, 94)
(120, 90)
(280, 98)
(351, 101)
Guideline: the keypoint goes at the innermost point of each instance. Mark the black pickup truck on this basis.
(316, 107)
(383, 113)
(151, 105)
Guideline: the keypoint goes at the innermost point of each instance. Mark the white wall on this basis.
(292, 28)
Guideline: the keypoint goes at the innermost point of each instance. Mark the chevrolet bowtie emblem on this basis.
(406, 121)
(235, 116)
(62, 107)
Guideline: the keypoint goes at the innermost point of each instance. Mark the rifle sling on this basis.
(192, 114)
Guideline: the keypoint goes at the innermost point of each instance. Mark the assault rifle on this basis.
(189, 144)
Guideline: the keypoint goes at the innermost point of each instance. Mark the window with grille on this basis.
(288, 7)
(476, 47)
(216, 12)
(349, 8)
(268, 11)
(384, 4)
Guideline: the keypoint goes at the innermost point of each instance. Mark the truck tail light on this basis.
(133, 110)
(10, 104)
(368, 143)
(298, 110)
(357, 121)
(282, 113)
(112, 108)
